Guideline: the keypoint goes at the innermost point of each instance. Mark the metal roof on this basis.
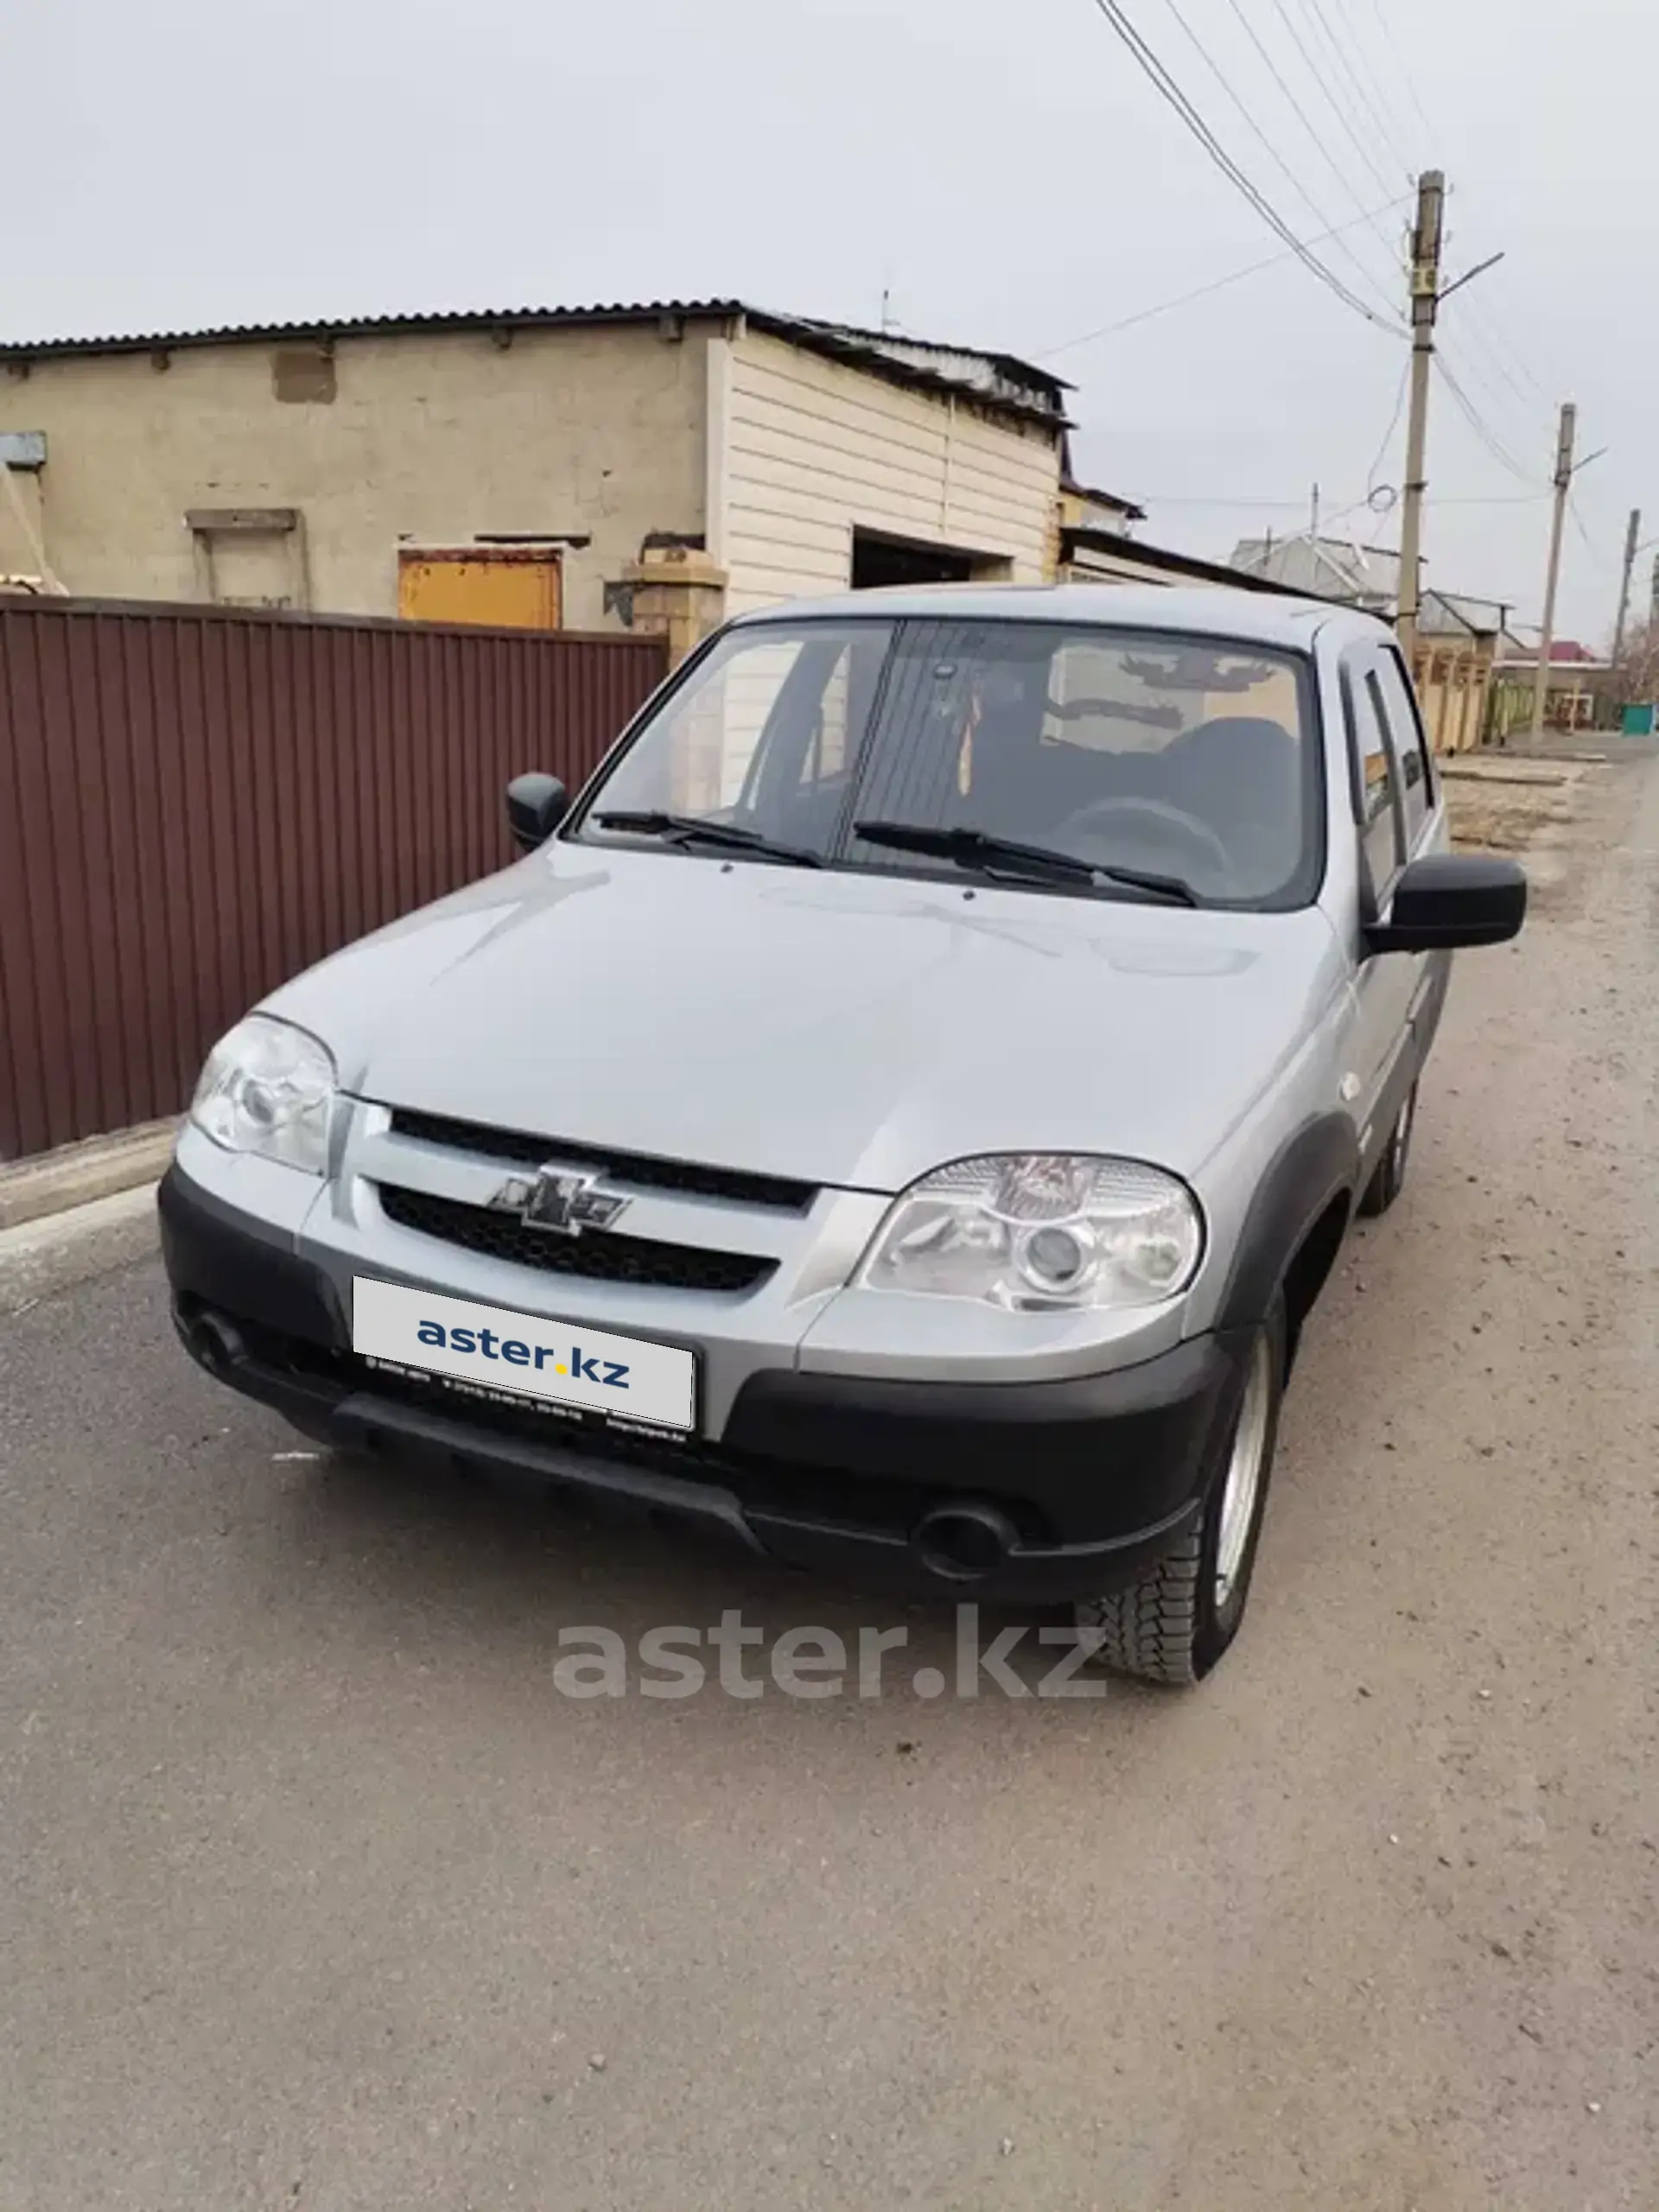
(1342, 569)
(1098, 498)
(1444, 613)
(1179, 564)
(230, 333)
(997, 380)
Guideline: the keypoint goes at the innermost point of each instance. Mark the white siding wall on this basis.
(813, 448)
(1089, 567)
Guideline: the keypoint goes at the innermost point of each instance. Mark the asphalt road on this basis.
(319, 1893)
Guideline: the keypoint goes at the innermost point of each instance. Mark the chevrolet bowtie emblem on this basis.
(559, 1200)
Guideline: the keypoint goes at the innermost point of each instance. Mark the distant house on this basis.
(1326, 568)
(1458, 636)
(1099, 544)
(1577, 682)
(1458, 641)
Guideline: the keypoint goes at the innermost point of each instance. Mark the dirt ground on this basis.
(320, 1896)
(1503, 809)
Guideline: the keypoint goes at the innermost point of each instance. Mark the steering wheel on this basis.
(1199, 836)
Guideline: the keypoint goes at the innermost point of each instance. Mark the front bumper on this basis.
(1003, 1490)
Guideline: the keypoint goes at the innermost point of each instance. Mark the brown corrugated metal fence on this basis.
(196, 803)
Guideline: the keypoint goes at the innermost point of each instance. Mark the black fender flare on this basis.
(1318, 1163)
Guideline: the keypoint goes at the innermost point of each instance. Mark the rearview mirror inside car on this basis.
(1448, 899)
(535, 806)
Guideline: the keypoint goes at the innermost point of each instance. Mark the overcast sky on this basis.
(1000, 166)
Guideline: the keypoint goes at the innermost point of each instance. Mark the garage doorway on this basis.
(879, 560)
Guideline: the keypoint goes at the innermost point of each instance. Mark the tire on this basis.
(1388, 1177)
(1175, 1623)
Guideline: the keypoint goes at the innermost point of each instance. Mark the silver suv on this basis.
(902, 1113)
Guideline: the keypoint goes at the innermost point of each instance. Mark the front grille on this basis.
(644, 1174)
(600, 1256)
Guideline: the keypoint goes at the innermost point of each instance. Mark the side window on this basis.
(1374, 771)
(1405, 727)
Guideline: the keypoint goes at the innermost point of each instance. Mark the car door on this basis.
(1390, 789)
(1424, 827)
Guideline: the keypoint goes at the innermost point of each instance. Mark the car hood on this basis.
(843, 1027)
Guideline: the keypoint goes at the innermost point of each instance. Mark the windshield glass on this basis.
(1184, 757)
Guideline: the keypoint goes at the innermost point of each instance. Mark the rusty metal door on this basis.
(498, 587)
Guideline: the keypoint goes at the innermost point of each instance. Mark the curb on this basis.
(40, 1258)
(75, 1174)
(1541, 773)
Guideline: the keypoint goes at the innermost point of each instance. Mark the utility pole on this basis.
(1563, 485)
(1630, 536)
(1425, 303)
(1313, 516)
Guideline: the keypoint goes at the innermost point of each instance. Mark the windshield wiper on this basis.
(977, 848)
(682, 829)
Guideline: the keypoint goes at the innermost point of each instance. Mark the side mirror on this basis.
(1448, 899)
(535, 806)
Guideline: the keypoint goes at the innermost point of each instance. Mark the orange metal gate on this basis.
(503, 587)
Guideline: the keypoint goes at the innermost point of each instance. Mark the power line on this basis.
(1170, 91)
(1399, 119)
(1277, 75)
(1404, 67)
(1502, 348)
(1315, 9)
(1477, 423)
(1216, 284)
(1600, 559)
(1485, 332)
(1393, 423)
(1483, 499)
(1474, 369)
(1511, 402)
(1186, 499)
(1490, 353)
(1471, 415)
(1272, 152)
(1314, 72)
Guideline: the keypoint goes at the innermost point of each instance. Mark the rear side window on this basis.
(1406, 729)
(1374, 769)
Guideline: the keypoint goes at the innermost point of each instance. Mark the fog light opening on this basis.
(964, 1542)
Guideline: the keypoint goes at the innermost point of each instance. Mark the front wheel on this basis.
(1388, 1176)
(1176, 1620)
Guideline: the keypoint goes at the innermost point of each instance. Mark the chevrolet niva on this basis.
(902, 1113)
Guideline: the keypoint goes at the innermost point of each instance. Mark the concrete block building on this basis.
(590, 469)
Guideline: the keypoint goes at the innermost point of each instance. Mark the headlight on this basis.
(268, 1088)
(1035, 1231)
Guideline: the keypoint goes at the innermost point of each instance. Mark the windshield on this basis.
(1189, 759)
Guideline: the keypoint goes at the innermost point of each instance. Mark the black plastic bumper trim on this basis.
(1111, 1468)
